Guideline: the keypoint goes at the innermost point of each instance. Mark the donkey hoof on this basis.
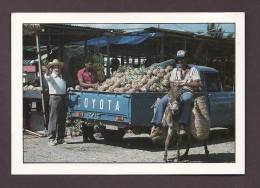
(182, 157)
(165, 159)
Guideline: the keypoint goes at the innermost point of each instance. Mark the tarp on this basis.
(126, 39)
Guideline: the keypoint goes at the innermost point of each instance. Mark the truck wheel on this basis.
(113, 135)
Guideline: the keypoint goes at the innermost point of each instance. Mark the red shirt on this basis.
(86, 76)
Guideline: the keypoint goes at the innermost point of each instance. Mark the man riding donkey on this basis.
(184, 81)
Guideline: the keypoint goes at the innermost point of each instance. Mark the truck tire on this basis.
(113, 135)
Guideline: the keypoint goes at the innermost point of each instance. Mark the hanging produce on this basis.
(98, 66)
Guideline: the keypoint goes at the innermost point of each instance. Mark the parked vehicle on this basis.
(117, 112)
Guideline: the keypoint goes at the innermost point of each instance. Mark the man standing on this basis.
(57, 102)
(87, 78)
(187, 80)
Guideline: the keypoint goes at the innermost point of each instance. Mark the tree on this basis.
(215, 30)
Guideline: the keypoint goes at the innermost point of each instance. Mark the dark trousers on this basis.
(88, 132)
(57, 116)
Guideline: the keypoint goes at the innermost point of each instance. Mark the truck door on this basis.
(221, 104)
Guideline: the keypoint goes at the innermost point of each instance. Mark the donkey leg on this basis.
(179, 141)
(206, 147)
(167, 143)
(187, 148)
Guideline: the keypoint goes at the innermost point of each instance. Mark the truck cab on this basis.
(221, 103)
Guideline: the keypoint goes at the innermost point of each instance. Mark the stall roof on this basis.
(187, 35)
(57, 34)
(133, 38)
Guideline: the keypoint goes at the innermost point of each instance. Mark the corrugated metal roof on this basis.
(32, 28)
(185, 34)
(57, 34)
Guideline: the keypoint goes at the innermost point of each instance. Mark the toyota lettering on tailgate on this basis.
(101, 103)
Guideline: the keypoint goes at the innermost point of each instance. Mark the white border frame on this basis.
(17, 165)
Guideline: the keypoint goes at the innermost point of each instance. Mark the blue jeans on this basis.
(186, 100)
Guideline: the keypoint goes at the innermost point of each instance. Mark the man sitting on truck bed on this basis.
(187, 80)
(87, 78)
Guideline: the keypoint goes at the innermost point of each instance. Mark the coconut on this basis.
(162, 71)
(77, 87)
(91, 89)
(144, 88)
(156, 72)
(165, 83)
(144, 80)
(160, 75)
(131, 90)
(101, 88)
(169, 68)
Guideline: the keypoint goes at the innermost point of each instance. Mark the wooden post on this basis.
(185, 44)
(122, 60)
(162, 48)
(48, 47)
(85, 48)
(61, 46)
(108, 60)
(207, 53)
(40, 74)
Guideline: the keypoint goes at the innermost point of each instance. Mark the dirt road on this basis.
(133, 148)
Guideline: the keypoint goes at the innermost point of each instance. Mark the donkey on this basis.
(170, 124)
(198, 128)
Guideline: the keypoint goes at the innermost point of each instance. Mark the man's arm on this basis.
(196, 80)
(195, 83)
(47, 74)
(81, 82)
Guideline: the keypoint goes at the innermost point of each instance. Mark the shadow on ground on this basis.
(211, 158)
(144, 143)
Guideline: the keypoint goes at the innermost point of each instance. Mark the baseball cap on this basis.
(181, 54)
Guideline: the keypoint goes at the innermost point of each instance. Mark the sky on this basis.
(180, 27)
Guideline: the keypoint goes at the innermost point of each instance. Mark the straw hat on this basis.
(55, 62)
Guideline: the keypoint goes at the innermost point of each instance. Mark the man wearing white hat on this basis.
(187, 80)
(57, 102)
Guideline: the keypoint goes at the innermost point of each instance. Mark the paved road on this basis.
(133, 148)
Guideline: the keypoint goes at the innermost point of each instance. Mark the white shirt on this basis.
(191, 75)
(56, 84)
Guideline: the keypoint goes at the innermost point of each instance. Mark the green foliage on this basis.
(74, 127)
(98, 65)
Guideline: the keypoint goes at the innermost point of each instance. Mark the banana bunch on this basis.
(98, 65)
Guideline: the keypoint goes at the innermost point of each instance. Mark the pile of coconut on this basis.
(31, 87)
(134, 80)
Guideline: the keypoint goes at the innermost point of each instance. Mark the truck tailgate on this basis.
(116, 108)
(100, 106)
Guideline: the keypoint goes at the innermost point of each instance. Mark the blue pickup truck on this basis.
(117, 112)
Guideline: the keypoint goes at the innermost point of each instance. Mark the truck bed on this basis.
(115, 108)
